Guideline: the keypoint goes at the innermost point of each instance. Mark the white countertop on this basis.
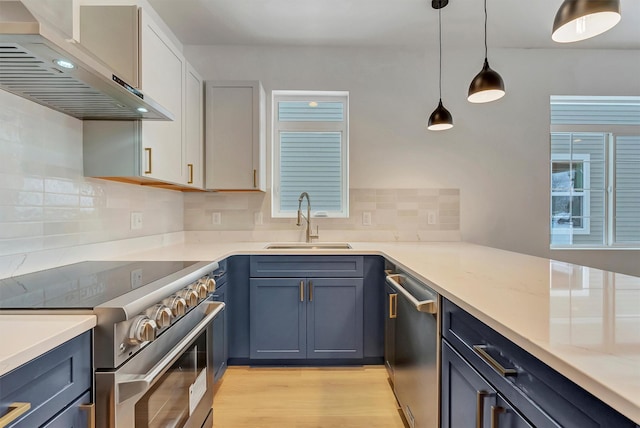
(25, 337)
(583, 322)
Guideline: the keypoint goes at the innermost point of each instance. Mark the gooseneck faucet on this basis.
(309, 235)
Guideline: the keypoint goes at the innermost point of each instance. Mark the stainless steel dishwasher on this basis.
(411, 348)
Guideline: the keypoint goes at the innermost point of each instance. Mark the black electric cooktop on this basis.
(82, 285)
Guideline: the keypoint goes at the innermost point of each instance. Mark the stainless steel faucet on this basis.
(309, 235)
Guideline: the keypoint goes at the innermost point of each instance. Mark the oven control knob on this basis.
(161, 315)
(201, 288)
(190, 296)
(143, 329)
(211, 284)
(177, 305)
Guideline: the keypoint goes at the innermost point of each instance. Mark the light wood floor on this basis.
(350, 397)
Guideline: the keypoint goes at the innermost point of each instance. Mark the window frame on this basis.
(585, 193)
(612, 132)
(311, 126)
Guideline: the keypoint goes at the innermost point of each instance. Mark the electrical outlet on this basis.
(136, 220)
(366, 219)
(136, 278)
(257, 218)
(216, 218)
(431, 217)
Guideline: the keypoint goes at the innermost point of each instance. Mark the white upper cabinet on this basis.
(194, 129)
(162, 68)
(235, 141)
(160, 152)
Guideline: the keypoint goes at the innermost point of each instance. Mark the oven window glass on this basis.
(167, 402)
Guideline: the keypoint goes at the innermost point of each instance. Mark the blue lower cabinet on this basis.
(74, 416)
(278, 320)
(334, 318)
(468, 400)
(466, 397)
(306, 318)
(54, 383)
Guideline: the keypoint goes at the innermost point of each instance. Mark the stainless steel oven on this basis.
(153, 342)
(169, 383)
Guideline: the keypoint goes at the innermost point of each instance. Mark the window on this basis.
(595, 172)
(310, 152)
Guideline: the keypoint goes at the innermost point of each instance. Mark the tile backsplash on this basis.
(396, 214)
(47, 203)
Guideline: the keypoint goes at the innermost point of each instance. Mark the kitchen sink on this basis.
(309, 246)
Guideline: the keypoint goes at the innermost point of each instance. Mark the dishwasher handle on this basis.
(426, 306)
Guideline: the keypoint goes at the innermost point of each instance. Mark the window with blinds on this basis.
(310, 149)
(595, 172)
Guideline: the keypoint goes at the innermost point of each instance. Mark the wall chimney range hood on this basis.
(39, 64)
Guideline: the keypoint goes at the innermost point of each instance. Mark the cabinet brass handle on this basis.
(480, 350)
(91, 414)
(255, 178)
(393, 306)
(302, 291)
(310, 291)
(15, 411)
(148, 151)
(481, 395)
(495, 414)
(190, 166)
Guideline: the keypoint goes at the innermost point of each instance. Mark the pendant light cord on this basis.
(485, 28)
(440, 44)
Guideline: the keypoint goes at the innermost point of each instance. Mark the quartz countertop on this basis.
(583, 322)
(25, 337)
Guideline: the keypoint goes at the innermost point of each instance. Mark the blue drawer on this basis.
(307, 266)
(49, 383)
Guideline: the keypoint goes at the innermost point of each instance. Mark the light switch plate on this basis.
(431, 217)
(136, 220)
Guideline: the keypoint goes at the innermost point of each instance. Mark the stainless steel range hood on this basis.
(30, 56)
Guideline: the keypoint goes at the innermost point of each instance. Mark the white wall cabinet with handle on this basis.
(235, 141)
(164, 153)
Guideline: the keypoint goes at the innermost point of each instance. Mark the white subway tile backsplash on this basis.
(47, 203)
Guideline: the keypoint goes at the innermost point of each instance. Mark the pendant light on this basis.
(582, 19)
(440, 119)
(487, 85)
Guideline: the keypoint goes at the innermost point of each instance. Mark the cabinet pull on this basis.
(91, 414)
(393, 306)
(148, 151)
(15, 411)
(302, 291)
(310, 291)
(495, 414)
(190, 166)
(481, 395)
(480, 350)
(255, 178)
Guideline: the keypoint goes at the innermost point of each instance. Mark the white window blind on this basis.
(310, 149)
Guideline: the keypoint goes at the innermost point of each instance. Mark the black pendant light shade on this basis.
(440, 119)
(582, 19)
(486, 86)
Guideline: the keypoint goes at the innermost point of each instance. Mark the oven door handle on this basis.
(131, 385)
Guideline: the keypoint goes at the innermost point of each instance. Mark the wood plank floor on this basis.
(345, 397)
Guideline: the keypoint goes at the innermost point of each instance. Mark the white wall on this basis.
(497, 154)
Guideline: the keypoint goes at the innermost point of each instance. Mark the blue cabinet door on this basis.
(73, 416)
(503, 415)
(277, 326)
(335, 319)
(465, 396)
